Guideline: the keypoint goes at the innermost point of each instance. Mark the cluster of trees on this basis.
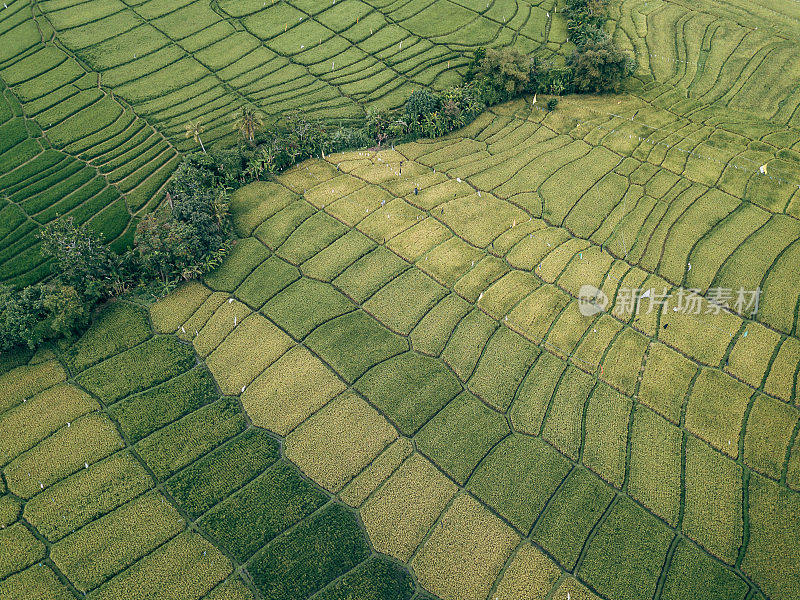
(596, 65)
(426, 114)
(187, 237)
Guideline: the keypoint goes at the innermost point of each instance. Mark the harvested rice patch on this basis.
(465, 551)
(290, 390)
(399, 514)
(339, 441)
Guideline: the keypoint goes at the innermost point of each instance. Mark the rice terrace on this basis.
(400, 299)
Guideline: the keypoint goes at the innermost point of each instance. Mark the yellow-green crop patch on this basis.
(461, 434)
(110, 544)
(26, 381)
(86, 495)
(243, 259)
(694, 572)
(22, 549)
(338, 442)
(290, 390)
(353, 343)
(401, 511)
(269, 278)
(635, 543)
(530, 572)
(518, 477)
(174, 446)
(208, 480)
(35, 419)
(86, 440)
(772, 544)
(120, 327)
(143, 366)
(245, 523)
(715, 410)
(319, 550)
(141, 414)
(499, 372)
(35, 582)
(409, 388)
(305, 304)
(574, 510)
(193, 564)
(655, 469)
(605, 442)
(713, 501)
(466, 343)
(231, 372)
(451, 549)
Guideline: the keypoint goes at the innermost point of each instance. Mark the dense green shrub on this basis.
(596, 66)
(600, 67)
(38, 313)
(503, 74)
(186, 239)
(188, 236)
(349, 137)
(80, 259)
(295, 139)
(500, 75)
(426, 113)
(377, 125)
(419, 105)
(585, 20)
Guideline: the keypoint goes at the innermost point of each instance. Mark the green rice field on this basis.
(390, 389)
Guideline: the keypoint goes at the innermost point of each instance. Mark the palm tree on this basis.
(193, 130)
(248, 122)
(221, 207)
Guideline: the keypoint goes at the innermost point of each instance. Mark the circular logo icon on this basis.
(591, 300)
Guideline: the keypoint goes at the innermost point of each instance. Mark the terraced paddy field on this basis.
(388, 390)
(95, 94)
